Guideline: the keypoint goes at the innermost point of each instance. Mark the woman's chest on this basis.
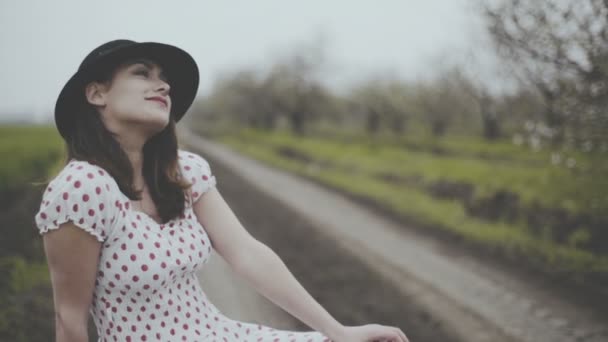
(143, 254)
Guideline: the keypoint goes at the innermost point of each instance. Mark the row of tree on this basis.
(289, 93)
(557, 51)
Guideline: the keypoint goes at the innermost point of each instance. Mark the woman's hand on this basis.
(370, 333)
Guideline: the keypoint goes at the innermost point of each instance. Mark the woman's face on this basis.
(133, 102)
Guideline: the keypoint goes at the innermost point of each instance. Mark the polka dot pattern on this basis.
(146, 287)
(82, 194)
(198, 172)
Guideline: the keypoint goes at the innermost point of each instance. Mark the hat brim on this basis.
(179, 67)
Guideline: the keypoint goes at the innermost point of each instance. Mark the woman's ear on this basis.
(95, 93)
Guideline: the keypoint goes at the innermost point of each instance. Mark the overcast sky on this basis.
(43, 42)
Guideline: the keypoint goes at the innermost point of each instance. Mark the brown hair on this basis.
(91, 141)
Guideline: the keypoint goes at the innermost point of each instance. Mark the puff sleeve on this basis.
(198, 172)
(79, 193)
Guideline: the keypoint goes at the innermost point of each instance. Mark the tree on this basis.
(444, 98)
(294, 86)
(561, 48)
(244, 97)
(382, 102)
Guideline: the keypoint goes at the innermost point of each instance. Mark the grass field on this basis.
(369, 168)
(28, 153)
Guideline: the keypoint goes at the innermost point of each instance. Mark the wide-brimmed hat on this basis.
(179, 67)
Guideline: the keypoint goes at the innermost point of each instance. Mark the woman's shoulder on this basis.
(188, 155)
(189, 160)
(197, 170)
(84, 176)
(84, 193)
(84, 171)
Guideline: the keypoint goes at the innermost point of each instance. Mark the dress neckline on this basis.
(127, 199)
(131, 209)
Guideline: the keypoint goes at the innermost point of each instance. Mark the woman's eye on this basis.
(142, 72)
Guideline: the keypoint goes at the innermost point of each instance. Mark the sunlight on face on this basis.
(134, 100)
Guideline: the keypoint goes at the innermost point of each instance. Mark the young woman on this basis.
(130, 218)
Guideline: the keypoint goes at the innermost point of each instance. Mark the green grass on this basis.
(532, 182)
(28, 153)
(22, 275)
(464, 145)
(354, 165)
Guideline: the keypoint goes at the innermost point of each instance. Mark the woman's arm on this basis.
(259, 264)
(72, 256)
(268, 274)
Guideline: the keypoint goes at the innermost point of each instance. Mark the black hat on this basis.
(177, 64)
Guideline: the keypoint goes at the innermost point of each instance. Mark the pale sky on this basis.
(43, 42)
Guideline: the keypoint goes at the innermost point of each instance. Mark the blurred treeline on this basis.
(557, 55)
(538, 144)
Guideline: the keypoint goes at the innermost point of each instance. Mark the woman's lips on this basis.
(159, 101)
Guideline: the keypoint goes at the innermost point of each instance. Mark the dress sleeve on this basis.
(198, 172)
(80, 193)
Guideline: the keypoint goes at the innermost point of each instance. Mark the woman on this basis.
(130, 217)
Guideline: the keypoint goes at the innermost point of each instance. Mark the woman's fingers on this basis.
(390, 334)
(399, 336)
(402, 335)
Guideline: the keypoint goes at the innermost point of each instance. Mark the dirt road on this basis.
(434, 293)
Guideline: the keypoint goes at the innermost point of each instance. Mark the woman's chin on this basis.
(155, 123)
(159, 117)
(161, 123)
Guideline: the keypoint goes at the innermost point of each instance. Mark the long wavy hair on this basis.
(91, 141)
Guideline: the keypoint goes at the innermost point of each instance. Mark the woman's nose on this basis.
(164, 87)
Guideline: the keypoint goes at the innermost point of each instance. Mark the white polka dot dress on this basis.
(146, 287)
